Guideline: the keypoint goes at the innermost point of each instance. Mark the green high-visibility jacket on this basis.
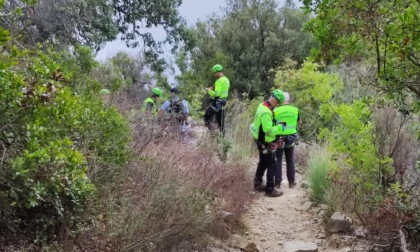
(288, 115)
(263, 128)
(221, 88)
(146, 102)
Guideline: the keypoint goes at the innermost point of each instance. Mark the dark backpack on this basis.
(176, 107)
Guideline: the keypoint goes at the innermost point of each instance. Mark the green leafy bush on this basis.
(311, 91)
(41, 174)
(353, 142)
(55, 143)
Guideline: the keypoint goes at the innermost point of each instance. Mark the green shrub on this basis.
(49, 185)
(352, 142)
(311, 90)
(51, 139)
(319, 165)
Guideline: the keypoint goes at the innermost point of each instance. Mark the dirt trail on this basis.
(270, 222)
(273, 221)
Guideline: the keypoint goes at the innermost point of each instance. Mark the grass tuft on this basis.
(319, 164)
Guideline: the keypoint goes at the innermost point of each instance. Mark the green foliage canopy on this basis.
(252, 38)
(383, 32)
(311, 91)
(54, 133)
(95, 22)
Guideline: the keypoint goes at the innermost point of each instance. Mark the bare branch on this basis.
(403, 241)
(414, 90)
(4, 154)
(413, 60)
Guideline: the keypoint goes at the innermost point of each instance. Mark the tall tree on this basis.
(385, 32)
(252, 38)
(94, 22)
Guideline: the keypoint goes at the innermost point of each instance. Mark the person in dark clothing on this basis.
(287, 115)
(218, 95)
(264, 130)
(175, 111)
(149, 105)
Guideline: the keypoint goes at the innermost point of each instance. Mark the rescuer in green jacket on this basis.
(265, 131)
(218, 95)
(287, 115)
(149, 105)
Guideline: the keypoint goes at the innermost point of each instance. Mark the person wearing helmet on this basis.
(175, 110)
(218, 95)
(265, 131)
(287, 115)
(149, 105)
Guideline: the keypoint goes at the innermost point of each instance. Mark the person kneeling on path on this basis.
(218, 95)
(264, 131)
(149, 105)
(175, 111)
(288, 116)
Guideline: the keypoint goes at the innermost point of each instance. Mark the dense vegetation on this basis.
(54, 133)
(352, 69)
(251, 39)
(83, 173)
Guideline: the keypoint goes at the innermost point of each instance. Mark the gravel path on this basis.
(273, 221)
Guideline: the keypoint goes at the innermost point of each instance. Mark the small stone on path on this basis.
(299, 246)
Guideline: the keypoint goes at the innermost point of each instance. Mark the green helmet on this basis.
(157, 92)
(216, 68)
(278, 94)
(104, 91)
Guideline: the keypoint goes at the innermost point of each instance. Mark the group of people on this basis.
(274, 128)
(177, 108)
(275, 131)
(174, 106)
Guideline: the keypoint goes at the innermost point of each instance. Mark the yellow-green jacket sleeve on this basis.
(268, 127)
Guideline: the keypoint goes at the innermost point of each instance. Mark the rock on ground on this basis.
(299, 246)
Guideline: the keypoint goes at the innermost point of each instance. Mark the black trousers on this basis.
(290, 164)
(267, 162)
(220, 116)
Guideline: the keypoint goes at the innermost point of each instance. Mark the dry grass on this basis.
(239, 117)
(393, 228)
(301, 155)
(339, 197)
(170, 196)
(394, 140)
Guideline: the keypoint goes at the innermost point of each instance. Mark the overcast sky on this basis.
(191, 10)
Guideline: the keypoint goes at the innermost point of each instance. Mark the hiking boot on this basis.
(259, 187)
(277, 185)
(292, 184)
(274, 193)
